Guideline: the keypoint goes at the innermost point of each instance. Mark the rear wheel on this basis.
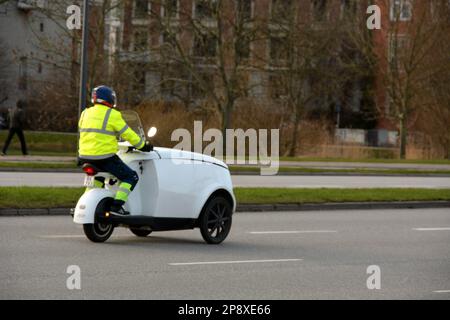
(215, 220)
(140, 232)
(99, 232)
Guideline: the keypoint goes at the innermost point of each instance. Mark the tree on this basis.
(408, 37)
(204, 55)
(307, 66)
(434, 116)
(57, 54)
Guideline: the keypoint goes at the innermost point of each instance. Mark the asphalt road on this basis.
(60, 179)
(308, 255)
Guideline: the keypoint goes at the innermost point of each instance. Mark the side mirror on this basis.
(152, 132)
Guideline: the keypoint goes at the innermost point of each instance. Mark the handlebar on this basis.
(128, 148)
(131, 149)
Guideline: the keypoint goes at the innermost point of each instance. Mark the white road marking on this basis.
(292, 232)
(442, 291)
(432, 229)
(62, 236)
(231, 262)
(76, 236)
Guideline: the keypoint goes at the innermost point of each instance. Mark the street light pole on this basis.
(84, 59)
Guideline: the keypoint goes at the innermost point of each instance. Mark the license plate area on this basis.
(89, 181)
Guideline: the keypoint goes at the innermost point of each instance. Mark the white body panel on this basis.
(172, 184)
(85, 209)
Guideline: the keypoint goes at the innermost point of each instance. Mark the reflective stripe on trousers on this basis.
(123, 191)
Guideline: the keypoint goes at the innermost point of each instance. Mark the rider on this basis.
(99, 125)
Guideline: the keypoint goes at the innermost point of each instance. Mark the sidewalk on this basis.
(298, 164)
(363, 165)
(39, 159)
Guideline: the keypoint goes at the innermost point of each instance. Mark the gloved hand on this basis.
(147, 147)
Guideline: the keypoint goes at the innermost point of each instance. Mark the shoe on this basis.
(118, 211)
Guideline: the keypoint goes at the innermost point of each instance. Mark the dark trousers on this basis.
(118, 169)
(19, 133)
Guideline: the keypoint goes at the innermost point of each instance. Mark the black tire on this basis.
(215, 220)
(99, 232)
(142, 233)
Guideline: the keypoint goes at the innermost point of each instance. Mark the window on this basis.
(168, 85)
(39, 68)
(140, 8)
(41, 27)
(23, 73)
(281, 8)
(277, 88)
(140, 39)
(4, 9)
(319, 9)
(401, 10)
(138, 83)
(205, 9)
(398, 49)
(244, 9)
(169, 37)
(438, 8)
(278, 50)
(174, 81)
(205, 45)
(200, 91)
(170, 8)
(243, 47)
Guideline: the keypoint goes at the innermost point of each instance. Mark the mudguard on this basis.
(85, 209)
(205, 194)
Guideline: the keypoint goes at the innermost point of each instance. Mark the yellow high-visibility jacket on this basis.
(99, 128)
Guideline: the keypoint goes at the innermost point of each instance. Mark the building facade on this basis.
(24, 60)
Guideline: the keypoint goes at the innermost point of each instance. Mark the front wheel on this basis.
(215, 220)
(98, 232)
(142, 233)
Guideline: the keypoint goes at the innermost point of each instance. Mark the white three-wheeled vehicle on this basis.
(177, 190)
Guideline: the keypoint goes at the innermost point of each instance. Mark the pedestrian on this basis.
(16, 123)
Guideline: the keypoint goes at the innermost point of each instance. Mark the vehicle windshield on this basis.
(133, 121)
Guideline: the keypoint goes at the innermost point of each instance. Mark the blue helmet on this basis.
(104, 95)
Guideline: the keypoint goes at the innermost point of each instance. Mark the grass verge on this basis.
(44, 143)
(348, 171)
(287, 195)
(35, 197)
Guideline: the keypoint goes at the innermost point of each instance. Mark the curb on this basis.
(343, 174)
(267, 207)
(343, 206)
